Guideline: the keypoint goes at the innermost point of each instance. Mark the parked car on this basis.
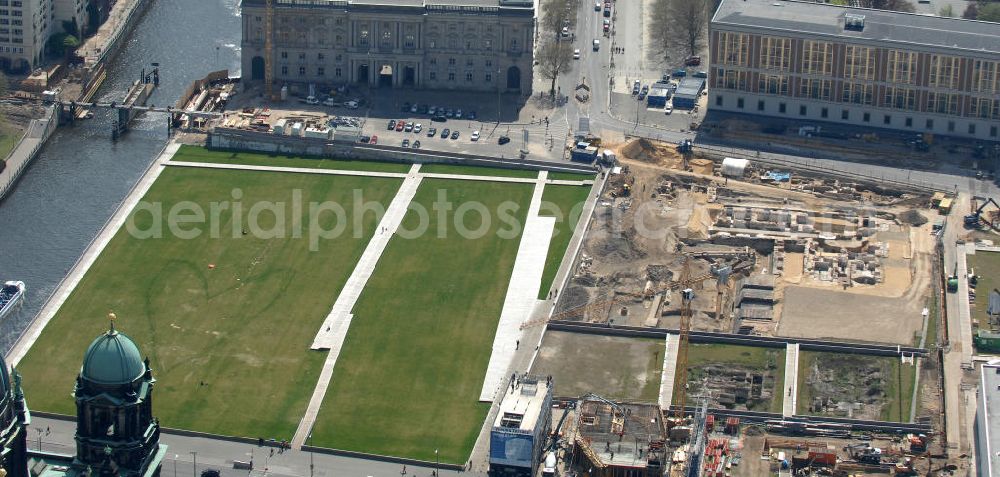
(680, 74)
(432, 110)
(400, 124)
(450, 113)
(607, 25)
(503, 140)
(312, 100)
(330, 102)
(475, 135)
(417, 128)
(669, 109)
(454, 134)
(432, 132)
(438, 118)
(458, 114)
(701, 74)
(636, 87)
(576, 54)
(392, 124)
(445, 133)
(406, 143)
(471, 115)
(374, 140)
(416, 144)
(565, 32)
(408, 127)
(414, 109)
(352, 104)
(365, 139)
(607, 9)
(597, 5)
(692, 61)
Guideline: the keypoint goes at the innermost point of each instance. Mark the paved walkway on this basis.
(333, 332)
(522, 291)
(964, 313)
(791, 393)
(669, 371)
(68, 284)
(345, 172)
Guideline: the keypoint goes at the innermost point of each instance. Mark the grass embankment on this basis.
(200, 154)
(896, 388)
(771, 360)
(565, 203)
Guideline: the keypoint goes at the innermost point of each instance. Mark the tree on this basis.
(946, 11)
(894, 5)
(971, 11)
(556, 14)
(989, 13)
(554, 58)
(681, 21)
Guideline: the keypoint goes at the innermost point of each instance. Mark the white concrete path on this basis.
(669, 371)
(68, 284)
(332, 334)
(964, 313)
(522, 291)
(791, 390)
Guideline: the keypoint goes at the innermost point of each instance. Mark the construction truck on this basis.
(865, 454)
(953, 281)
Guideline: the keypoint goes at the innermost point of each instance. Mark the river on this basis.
(74, 185)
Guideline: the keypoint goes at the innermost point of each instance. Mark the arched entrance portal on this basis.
(362, 74)
(409, 76)
(514, 78)
(257, 68)
(385, 76)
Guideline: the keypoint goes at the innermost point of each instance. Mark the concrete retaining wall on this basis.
(242, 140)
(39, 130)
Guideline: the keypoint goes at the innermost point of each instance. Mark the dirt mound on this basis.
(912, 217)
(641, 150)
(573, 297)
(620, 247)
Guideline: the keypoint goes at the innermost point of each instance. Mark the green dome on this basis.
(112, 358)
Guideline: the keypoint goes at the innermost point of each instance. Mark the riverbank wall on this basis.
(39, 130)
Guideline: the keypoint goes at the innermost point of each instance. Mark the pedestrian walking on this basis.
(517, 344)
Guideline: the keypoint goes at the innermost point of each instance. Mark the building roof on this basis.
(525, 4)
(990, 419)
(522, 405)
(112, 358)
(801, 17)
(622, 440)
(690, 87)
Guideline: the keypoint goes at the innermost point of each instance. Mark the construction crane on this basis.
(722, 287)
(682, 345)
(269, 49)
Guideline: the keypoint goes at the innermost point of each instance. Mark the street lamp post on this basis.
(175, 464)
(311, 466)
(437, 464)
(194, 464)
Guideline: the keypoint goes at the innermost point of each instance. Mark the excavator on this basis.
(975, 220)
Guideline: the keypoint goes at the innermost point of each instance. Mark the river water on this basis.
(72, 188)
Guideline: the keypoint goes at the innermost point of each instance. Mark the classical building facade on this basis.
(471, 45)
(25, 27)
(819, 62)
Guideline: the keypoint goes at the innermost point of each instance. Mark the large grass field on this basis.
(895, 389)
(758, 358)
(565, 203)
(229, 346)
(200, 154)
(408, 379)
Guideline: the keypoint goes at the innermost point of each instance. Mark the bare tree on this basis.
(971, 11)
(556, 14)
(680, 21)
(554, 58)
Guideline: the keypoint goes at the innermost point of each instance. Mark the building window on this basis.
(337, 72)
(718, 100)
(487, 44)
(775, 53)
(489, 77)
(302, 56)
(739, 103)
(302, 71)
(845, 115)
(409, 41)
(824, 112)
(859, 63)
(451, 76)
(887, 119)
(451, 61)
(782, 107)
(815, 89)
(734, 48)
(433, 75)
(951, 126)
(972, 128)
(984, 77)
(320, 71)
(867, 117)
(433, 61)
(468, 77)
(760, 105)
(320, 56)
(944, 72)
(909, 122)
(284, 55)
(929, 125)
(945, 103)
(802, 110)
(489, 63)
(900, 98)
(773, 84)
(284, 70)
(902, 67)
(817, 58)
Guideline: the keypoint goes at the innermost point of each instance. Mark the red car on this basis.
(400, 125)
(607, 25)
(374, 140)
(692, 61)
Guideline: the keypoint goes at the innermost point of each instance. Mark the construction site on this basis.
(745, 272)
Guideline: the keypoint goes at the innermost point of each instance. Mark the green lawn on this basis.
(9, 136)
(200, 154)
(477, 171)
(229, 346)
(771, 360)
(408, 379)
(566, 204)
(898, 381)
(569, 176)
(987, 268)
